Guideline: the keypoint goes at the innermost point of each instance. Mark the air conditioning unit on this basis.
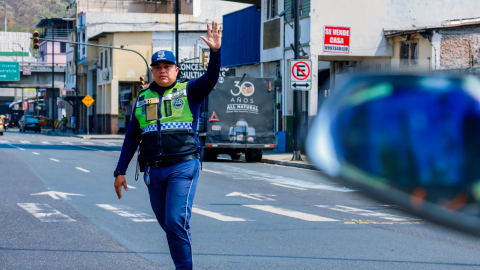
(105, 74)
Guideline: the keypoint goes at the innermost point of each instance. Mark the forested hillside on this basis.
(22, 15)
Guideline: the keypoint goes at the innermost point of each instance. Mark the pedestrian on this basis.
(165, 118)
(73, 124)
(64, 124)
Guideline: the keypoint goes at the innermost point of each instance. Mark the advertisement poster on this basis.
(195, 70)
(336, 39)
(241, 111)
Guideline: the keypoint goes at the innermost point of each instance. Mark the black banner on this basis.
(195, 70)
(241, 111)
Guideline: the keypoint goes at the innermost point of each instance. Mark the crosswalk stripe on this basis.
(56, 160)
(290, 213)
(88, 143)
(211, 171)
(44, 212)
(89, 148)
(109, 143)
(25, 142)
(367, 213)
(3, 141)
(35, 153)
(214, 215)
(82, 169)
(69, 143)
(280, 185)
(128, 212)
(46, 142)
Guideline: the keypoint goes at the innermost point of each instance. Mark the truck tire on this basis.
(235, 156)
(258, 155)
(250, 155)
(209, 155)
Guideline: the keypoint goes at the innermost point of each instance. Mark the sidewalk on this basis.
(268, 155)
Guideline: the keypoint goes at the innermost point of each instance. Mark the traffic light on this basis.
(36, 40)
(204, 59)
(142, 82)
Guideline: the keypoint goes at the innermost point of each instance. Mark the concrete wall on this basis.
(191, 44)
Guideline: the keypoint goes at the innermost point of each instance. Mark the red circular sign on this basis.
(27, 71)
(299, 69)
(61, 104)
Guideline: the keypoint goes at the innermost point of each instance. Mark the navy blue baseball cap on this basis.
(163, 55)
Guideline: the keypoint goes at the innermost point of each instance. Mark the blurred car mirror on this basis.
(408, 140)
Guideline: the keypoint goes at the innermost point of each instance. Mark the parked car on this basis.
(29, 123)
(2, 127)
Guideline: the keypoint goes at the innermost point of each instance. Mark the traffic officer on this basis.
(164, 123)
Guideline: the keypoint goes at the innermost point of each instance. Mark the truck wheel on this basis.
(209, 155)
(235, 156)
(258, 155)
(250, 155)
(204, 154)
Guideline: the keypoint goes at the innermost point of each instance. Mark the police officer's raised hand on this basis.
(119, 182)
(214, 40)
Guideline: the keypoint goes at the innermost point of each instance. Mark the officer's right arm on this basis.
(130, 144)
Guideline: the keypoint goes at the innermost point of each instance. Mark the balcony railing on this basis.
(59, 33)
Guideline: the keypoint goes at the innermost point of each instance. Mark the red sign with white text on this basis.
(336, 39)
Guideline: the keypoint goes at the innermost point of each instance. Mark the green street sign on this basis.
(9, 71)
(41, 104)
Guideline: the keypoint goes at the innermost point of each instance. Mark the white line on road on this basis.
(88, 143)
(128, 212)
(82, 169)
(16, 147)
(46, 142)
(214, 215)
(132, 187)
(89, 148)
(25, 142)
(289, 213)
(366, 213)
(56, 160)
(69, 143)
(112, 144)
(44, 212)
(211, 171)
(280, 185)
(6, 142)
(35, 153)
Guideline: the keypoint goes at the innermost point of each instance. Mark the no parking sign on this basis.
(301, 75)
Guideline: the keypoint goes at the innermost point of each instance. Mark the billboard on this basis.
(195, 70)
(336, 40)
(241, 111)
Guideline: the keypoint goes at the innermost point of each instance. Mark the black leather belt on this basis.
(169, 162)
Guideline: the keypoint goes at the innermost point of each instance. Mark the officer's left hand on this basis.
(214, 40)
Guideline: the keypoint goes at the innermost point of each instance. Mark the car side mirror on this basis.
(408, 140)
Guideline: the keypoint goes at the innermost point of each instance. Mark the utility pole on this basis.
(53, 77)
(176, 29)
(77, 117)
(296, 93)
(5, 16)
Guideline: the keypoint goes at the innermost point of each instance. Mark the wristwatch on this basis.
(117, 173)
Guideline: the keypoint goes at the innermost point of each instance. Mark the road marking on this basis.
(88, 143)
(289, 213)
(109, 143)
(82, 169)
(35, 153)
(45, 213)
(89, 148)
(254, 196)
(128, 212)
(56, 160)
(381, 223)
(211, 171)
(132, 187)
(6, 142)
(56, 195)
(280, 185)
(366, 213)
(16, 147)
(214, 215)
(69, 143)
(251, 175)
(25, 142)
(46, 142)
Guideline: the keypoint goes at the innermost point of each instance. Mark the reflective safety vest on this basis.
(172, 114)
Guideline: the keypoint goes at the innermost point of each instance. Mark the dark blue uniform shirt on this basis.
(197, 91)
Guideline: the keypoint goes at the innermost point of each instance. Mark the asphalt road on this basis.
(246, 216)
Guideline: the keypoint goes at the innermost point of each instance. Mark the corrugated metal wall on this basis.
(241, 37)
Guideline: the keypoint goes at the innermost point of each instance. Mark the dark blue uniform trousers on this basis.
(171, 192)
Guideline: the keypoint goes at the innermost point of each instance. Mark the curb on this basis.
(290, 163)
(81, 136)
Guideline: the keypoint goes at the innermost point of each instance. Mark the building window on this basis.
(111, 58)
(101, 60)
(409, 53)
(106, 58)
(272, 8)
(63, 47)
